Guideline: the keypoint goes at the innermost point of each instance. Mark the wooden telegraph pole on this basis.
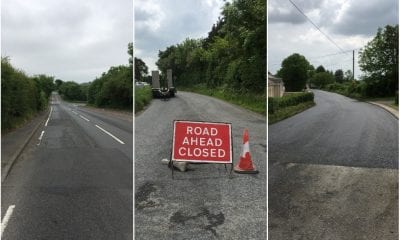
(353, 64)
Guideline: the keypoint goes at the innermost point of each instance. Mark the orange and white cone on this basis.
(245, 164)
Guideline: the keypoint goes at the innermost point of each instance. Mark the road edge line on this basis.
(15, 156)
(384, 107)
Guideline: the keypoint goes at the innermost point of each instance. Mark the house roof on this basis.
(273, 79)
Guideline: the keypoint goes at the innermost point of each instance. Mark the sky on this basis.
(72, 40)
(351, 24)
(160, 24)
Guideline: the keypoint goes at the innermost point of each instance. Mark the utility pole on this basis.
(353, 64)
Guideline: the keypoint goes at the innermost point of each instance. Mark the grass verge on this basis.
(143, 97)
(388, 101)
(289, 111)
(250, 101)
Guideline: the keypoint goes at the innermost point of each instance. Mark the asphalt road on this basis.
(73, 180)
(203, 203)
(333, 172)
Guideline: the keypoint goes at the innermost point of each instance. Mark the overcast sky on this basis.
(350, 23)
(73, 40)
(161, 23)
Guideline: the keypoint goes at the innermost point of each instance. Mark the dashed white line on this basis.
(40, 138)
(84, 118)
(74, 112)
(102, 129)
(41, 135)
(6, 218)
(51, 109)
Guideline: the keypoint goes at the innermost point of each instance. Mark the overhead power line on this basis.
(322, 56)
(330, 39)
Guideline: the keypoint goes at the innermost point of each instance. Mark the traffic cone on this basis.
(245, 164)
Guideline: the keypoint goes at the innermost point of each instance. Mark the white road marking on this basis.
(6, 218)
(74, 112)
(40, 138)
(41, 135)
(84, 118)
(51, 109)
(110, 134)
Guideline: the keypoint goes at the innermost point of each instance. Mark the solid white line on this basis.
(84, 118)
(110, 134)
(51, 109)
(4, 222)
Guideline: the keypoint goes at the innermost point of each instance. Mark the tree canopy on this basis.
(294, 72)
(21, 95)
(141, 70)
(339, 76)
(379, 62)
(232, 56)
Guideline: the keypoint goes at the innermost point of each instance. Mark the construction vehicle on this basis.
(162, 91)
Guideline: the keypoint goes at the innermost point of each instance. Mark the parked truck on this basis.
(162, 91)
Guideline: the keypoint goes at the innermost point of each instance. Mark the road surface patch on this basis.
(6, 218)
(116, 139)
(210, 222)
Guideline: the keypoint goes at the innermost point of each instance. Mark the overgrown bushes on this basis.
(251, 101)
(73, 91)
(233, 55)
(113, 89)
(275, 104)
(143, 97)
(21, 96)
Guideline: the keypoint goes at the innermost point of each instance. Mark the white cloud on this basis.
(70, 39)
(160, 23)
(351, 24)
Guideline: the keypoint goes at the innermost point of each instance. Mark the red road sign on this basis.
(202, 142)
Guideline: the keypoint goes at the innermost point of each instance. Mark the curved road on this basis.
(74, 183)
(333, 172)
(203, 203)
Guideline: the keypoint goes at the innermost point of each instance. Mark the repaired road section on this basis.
(333, 172)
(73, 180)
(202, 203)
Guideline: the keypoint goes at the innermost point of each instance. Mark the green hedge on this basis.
(22, 96)
(276, 103)
(143, 97)
(251, 101)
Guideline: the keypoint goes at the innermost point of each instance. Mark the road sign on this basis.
(206, 142)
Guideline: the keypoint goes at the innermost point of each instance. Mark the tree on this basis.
(232, 56)
(339, 76)
(321, 79)
(379, 62)
(348, 75)
(294, 72)
(45, 84)
(141, 69)
(320, 69)
(130, 52)
(58, 83)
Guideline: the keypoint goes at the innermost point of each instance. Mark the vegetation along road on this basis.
(333, 172)
(203, 203)
(73, 180)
